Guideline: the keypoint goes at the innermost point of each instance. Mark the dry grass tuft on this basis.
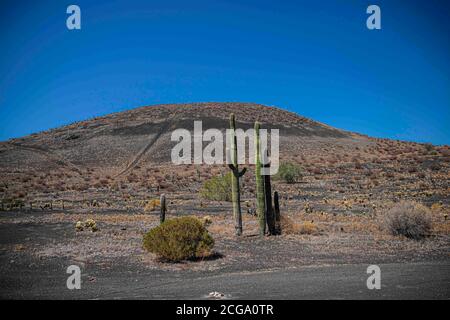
(308, 227)
(289, 226)
(152, 205)
(409, 219)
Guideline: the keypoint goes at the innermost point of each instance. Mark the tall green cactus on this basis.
(260, 198)
(268, 196)
(235, 189)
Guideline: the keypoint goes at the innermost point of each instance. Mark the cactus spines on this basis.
(276, 204)
(162, 215)
(268, 197)
(260, 205)
(236, 174)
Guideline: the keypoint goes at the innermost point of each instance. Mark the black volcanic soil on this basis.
(37, 247)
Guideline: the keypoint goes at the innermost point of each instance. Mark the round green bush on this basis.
(289, 173)
(217, 188)
(179, 239)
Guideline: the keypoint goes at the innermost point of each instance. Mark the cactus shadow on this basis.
(253, 235)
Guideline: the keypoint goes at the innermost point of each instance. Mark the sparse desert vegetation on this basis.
(342, 196)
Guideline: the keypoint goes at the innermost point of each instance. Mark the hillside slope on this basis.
(131, 150)
(115, 140)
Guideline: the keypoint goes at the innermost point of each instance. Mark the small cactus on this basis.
(89, 223)
(162, 215)
(308, 208)
(79, 226)
(276, 204)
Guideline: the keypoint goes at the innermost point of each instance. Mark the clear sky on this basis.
(316, 58)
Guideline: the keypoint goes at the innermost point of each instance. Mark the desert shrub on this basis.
(409, 219)
(217, 188)
(179, 239)
(435, 166)
(289, 172)
(308, 227)
(152, 205)
(88, 224)
(436, 207)
(428, 147)
(288, 226)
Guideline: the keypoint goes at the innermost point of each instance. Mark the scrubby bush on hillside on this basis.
(289, 226)
(428, 147)
(179, 239)
(409, 219)
(217, 188)
(152, 205)
(289, 173)
(88, 224)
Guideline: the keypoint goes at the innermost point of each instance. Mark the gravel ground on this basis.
(36, 248)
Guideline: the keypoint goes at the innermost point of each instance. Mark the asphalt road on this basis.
(398, 281)
(424, 280)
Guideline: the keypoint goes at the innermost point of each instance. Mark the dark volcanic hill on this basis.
(116, 140)
(133, 148)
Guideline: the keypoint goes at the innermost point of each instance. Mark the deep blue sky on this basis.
(313, 57)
